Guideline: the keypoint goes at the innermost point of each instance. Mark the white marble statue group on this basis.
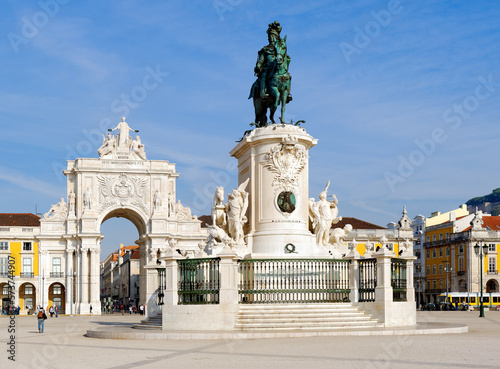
(323, 214)
(228, 219)
(122, 143)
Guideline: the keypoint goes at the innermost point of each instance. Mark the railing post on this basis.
(353, 275)
(171, 278)
(383, 291)
(228, 269)
(410, 289)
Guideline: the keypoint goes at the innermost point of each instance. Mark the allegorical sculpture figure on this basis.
(229, 218)
(138, 148)
(236, 207)
(124, 140)
(87, 199)
(108, 145)
(72, 202)
(58, 210)
(323, 214)
(156, 200)
(272, 86)
(219, 209)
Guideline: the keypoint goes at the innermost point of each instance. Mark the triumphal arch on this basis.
(122, 182)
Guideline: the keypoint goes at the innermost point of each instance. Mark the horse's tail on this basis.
(253, 89)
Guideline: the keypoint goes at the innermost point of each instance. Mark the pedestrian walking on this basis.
(51, 311)
(56, 310)
(41, 316)
(90, 308)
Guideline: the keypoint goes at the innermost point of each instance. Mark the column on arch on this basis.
(83, 281)
(69, 290)
(95, 280)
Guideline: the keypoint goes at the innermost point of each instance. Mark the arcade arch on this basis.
(491, 286)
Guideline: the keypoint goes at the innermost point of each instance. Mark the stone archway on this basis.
(57, 296)
(120, 183)
(491, 286)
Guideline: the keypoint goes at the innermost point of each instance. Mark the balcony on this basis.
(56, 274)
(27, 275)
(492, 273)
(4, 274)
(461, 273)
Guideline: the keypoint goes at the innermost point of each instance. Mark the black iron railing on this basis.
(293, 281)
(56, 274)
(161, 285)
(367, 280)
(199, 281)
(398, 279)
(27, 275)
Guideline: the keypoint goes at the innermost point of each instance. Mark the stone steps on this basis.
(302, 317)
(152, 323)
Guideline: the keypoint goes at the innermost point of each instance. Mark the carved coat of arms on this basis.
(122, 190)
(286, 160)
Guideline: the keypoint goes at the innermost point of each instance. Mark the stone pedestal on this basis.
(275, 158)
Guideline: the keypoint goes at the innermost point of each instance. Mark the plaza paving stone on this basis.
(64, 345)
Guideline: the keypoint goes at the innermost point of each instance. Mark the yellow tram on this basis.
(490, 299)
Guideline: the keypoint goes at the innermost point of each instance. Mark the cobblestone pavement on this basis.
(63, 345)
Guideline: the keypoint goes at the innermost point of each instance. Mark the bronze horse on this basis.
(278, 88)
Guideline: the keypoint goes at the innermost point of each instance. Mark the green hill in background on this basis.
(492, 198)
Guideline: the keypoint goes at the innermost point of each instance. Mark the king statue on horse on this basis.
(272, 86)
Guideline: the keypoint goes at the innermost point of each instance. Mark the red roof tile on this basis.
(489, 222)
(356, 224)
(19, 220)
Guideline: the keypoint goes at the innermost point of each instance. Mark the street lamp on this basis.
(481, 252)
(447, 269)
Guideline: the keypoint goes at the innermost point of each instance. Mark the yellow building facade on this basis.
(19, 261)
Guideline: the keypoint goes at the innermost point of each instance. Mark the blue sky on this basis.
(402, 96)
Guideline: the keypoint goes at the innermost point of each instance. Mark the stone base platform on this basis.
(126, 332)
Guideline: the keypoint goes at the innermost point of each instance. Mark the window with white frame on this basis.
(4, 266)
(440, 237)
(28, 302)
(57, 301)
(492, 247)
(428, 269)
(461, 248)
(57, 289)
(428, 238)
(428, 254)
(4, 246)
(447, 236)
(434, 285)
(27, 265)
(433, 238)
(28, 289)
(440, 269)
(447, 251)
(492, 264)
(461, 264)
(440, 252)
(27, 246)
(433, 269)
(56, 265)
(6, 289)
(433, 253)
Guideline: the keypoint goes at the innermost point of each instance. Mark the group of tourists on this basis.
(131, 309)
(11, 310)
